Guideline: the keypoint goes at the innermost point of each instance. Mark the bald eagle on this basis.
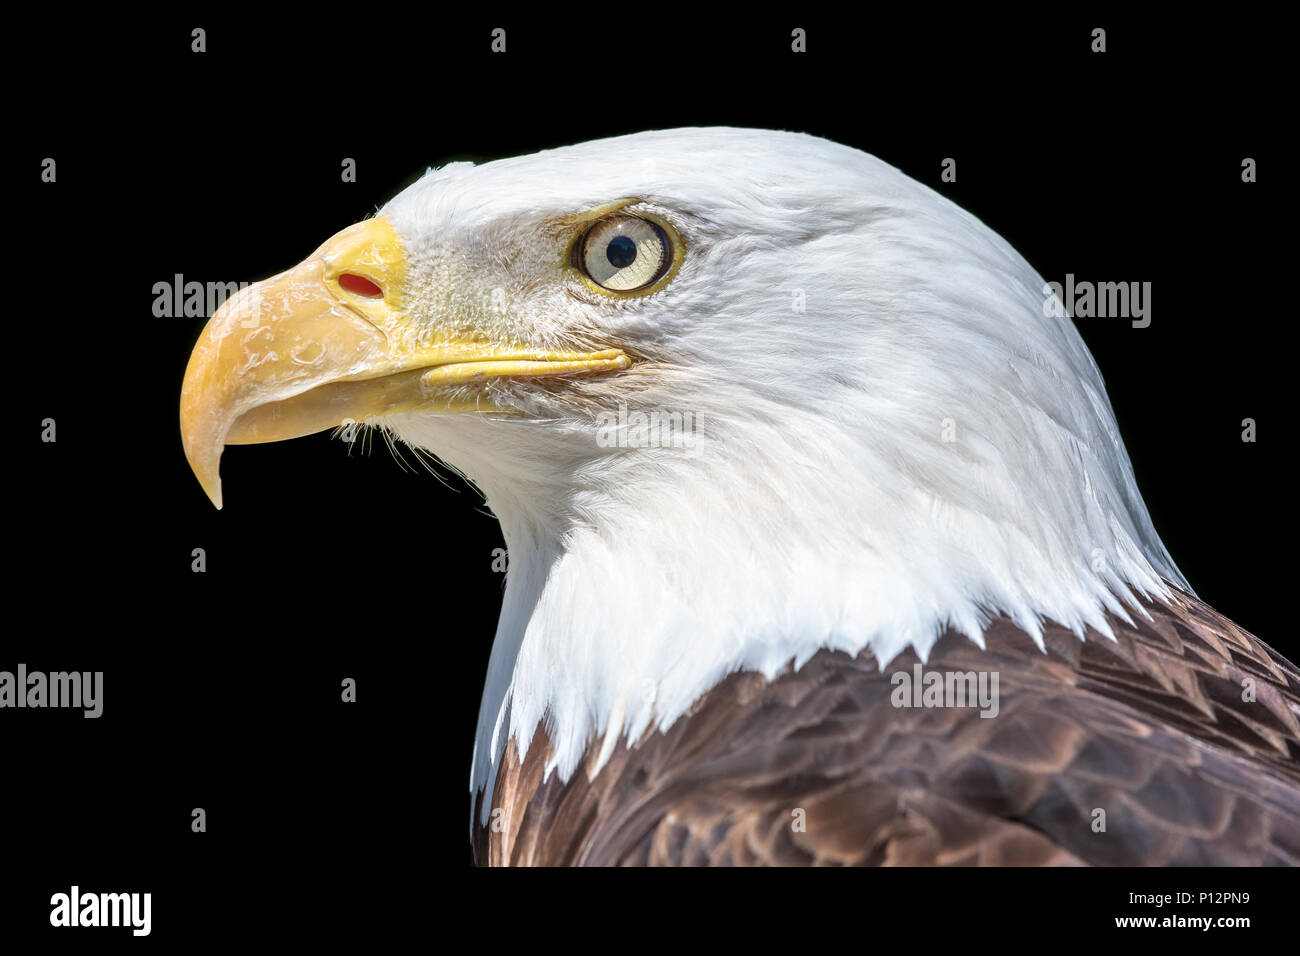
(793, 464)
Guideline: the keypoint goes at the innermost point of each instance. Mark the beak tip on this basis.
(210, 479)
(206, 471)
(212, 489)
(202, 451)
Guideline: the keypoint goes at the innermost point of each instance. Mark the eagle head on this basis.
(735, 396)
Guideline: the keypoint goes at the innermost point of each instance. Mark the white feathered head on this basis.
(735, 396)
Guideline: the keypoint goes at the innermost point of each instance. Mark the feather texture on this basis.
(1150, 728)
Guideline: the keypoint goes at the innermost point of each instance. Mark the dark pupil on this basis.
(621, 252)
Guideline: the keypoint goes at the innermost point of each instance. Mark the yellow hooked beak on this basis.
(329, 342)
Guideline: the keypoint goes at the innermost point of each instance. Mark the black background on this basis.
(222, 689)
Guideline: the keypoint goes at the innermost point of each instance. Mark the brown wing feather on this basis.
(1154, 729)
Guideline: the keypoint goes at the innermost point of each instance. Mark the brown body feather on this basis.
(817, 766)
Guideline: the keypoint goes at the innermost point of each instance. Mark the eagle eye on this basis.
(625, 253)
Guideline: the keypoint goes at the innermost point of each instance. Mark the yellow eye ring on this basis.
(616, 244)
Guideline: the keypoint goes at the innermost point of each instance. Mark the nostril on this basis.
(360, 285)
